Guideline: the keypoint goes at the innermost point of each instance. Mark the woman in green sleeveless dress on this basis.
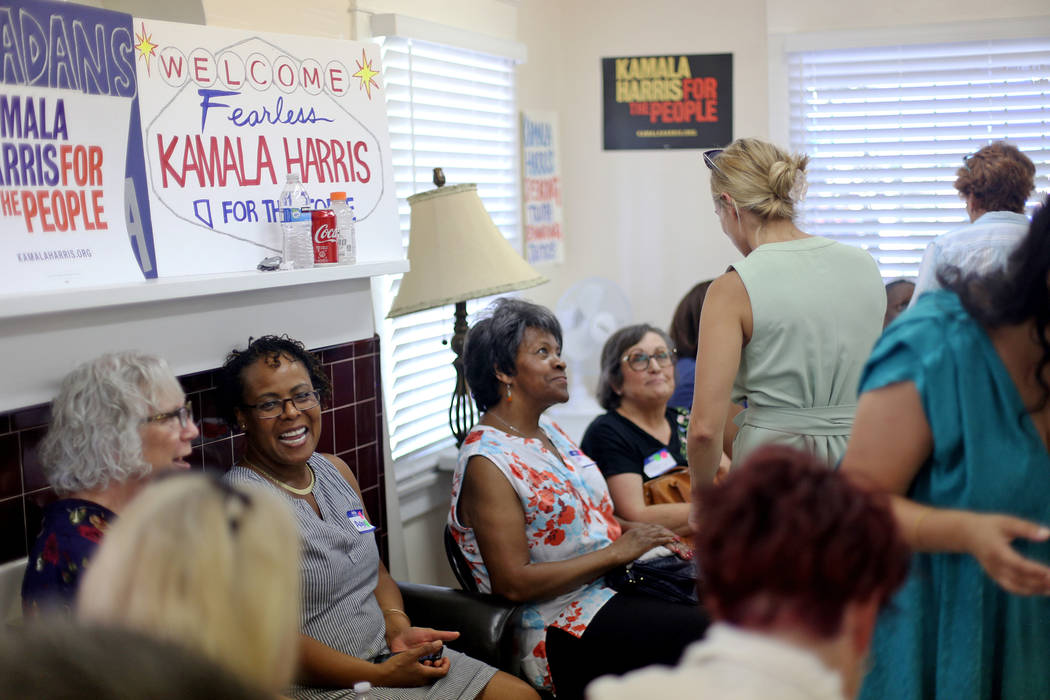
(954, 421)
(785, 332)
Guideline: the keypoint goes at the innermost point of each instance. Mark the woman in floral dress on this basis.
(533, 517)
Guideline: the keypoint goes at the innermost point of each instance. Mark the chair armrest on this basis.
(487, 623)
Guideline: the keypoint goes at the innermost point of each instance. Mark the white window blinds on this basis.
(887, 127)
(454, 109)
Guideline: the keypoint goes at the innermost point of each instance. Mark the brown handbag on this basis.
(671, 487)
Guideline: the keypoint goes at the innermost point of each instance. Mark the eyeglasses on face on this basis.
(271, 408)
(639, 361)
(183, 413)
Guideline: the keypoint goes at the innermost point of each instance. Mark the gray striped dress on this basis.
(340, 569)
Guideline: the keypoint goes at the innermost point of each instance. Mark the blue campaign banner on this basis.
(74, 206)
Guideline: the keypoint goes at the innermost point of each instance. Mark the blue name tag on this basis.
(359, 521)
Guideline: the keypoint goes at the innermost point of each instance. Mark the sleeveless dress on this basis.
(568, 513)
(951, 632)
(340, 569)
(818, 307)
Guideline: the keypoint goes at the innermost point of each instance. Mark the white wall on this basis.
(819, 15)
(641, 218)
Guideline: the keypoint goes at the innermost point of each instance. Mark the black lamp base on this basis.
(461, 413)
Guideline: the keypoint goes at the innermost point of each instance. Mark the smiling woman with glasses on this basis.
(785, 332)
(116, 420)
(354, 627)
(640, 442)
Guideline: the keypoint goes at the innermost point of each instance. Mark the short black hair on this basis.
(492, 344)
(270, 348)
(611, 379)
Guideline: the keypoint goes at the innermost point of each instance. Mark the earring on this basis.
(509, 397)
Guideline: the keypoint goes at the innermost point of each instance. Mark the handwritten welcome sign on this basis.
(226, 114)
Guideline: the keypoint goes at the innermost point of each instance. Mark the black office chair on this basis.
(499, 633)
(458, 563)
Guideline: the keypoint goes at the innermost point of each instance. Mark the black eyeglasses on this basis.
(271, 408)
(639, 361)
(966, 161)
(183, 413)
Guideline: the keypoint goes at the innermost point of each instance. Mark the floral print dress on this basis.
(568, 513)
(69, 535)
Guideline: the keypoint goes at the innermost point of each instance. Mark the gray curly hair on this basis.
(93, 440)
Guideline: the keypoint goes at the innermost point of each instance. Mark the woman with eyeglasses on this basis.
(532, 515)
(640, 437)
(354, 627)
(208, 566)
(116, 420)
(784, 332)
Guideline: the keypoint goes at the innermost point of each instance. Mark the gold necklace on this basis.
(305, 491)
(517, 430)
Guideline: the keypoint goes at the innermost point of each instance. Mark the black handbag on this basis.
(670, 578)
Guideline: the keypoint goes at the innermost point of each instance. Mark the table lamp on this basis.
(456, 253)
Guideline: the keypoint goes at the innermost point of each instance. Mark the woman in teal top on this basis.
(785, 332)
(954, 420)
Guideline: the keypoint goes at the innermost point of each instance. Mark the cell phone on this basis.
(429, 657)
(433, 657)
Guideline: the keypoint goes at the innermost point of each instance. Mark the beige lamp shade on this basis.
(456, 253)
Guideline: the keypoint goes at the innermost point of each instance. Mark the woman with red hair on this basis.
(796, 563)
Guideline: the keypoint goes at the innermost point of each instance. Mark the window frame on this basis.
(781, 45)
(415, 465)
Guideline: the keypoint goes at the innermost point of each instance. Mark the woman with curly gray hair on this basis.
(116, 419)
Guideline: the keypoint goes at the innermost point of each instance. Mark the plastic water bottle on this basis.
(362, 690)
(294, 203)
(344, 226)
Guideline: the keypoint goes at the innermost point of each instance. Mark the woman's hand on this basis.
(639, 538)
(405, 670)
(989, 542)
(415, 636)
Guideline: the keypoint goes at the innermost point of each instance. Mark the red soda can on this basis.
(325, 236)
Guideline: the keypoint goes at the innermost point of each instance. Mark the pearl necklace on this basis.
(305, 491)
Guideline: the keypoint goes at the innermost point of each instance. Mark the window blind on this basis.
(454, 109)
(887, 127)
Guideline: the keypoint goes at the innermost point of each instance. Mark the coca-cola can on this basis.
(325, 237)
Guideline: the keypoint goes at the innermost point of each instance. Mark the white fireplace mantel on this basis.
(190, 321)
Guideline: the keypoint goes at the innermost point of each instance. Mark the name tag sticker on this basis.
(658, 463)
(359, 521)
(580, 460)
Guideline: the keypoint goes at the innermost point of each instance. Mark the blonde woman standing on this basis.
(209, 566)
(785, 332)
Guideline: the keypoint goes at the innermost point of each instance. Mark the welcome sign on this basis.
(227, 114)
(132, 148)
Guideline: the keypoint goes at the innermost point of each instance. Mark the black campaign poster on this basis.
(668, 101)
